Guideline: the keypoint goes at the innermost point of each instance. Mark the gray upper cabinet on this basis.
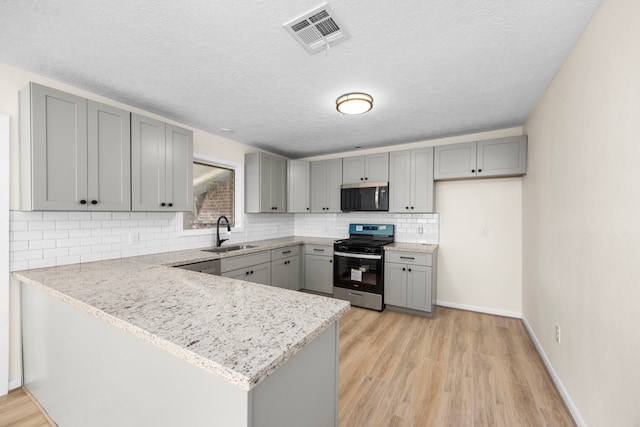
(298, 175)
(161, 166)
(74, 152)
(482, 159)
(455, 161)
(109, 153)
(502, 157)
(372, 168)
(411, 185)
(265, 183)
(326, 178)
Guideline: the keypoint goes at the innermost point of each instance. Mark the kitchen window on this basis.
(214, 193)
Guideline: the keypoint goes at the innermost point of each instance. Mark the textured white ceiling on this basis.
(434, 67)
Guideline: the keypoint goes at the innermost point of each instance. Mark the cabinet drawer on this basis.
(414, 258)
(319, 250)
(244, 261)
(289, 251)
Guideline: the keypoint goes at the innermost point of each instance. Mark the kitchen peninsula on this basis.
(134, 341)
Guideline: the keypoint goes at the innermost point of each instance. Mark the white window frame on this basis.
(238, 203)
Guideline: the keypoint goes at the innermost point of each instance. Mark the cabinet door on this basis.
(295, 282)
(376, 167)
(58, 150)
(319, 274)
(422, 184)
(395, 284)
(148, 180)
(298, 186)
(266, 171)
(179, 169)
(352, 170)
(503, 156)
(455, 161)
(279, 185)
(419, 287)
(318, 186)
(241, 274)
(109, 158)
(260, 273)
(334, 180)
(400, 181)
(279, 277)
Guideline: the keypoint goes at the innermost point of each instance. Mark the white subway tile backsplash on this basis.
(42, 244)
(55, 216)
(90, 257)
(93, 236)
(80, 233)
(101, 215)
(19, 225)
(67, 225)
(82, 216)
(42, 263)
(27, 235)
(55, 234)
(54, 253)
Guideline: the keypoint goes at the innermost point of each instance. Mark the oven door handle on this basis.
(364, 256)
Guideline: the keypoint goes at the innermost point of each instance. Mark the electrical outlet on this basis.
(134, 238)
(420, 230)
(558, 334)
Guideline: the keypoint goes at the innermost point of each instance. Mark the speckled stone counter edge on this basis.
(229, 375)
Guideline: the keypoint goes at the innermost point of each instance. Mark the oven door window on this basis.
(358, 273)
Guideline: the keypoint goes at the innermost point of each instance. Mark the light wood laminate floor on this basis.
(459, 368)
(17, 409)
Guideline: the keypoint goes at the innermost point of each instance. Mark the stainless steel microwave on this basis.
(366, 196)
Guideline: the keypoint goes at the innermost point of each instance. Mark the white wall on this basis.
(4, 254)
(581, 203)
(480, 253)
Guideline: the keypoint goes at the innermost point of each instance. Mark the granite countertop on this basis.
(236, 330)
(411, 247)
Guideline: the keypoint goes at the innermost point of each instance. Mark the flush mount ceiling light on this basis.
(354, 103)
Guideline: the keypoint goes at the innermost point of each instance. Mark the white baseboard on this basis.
(556, 379)
(480, 309)
(14, 384)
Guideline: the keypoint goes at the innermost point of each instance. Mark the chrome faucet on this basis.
(218, 239)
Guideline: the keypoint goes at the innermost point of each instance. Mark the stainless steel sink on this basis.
(223, 249)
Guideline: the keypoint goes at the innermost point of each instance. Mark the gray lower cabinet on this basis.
(411, 185)
(260, 273)
(481, 159)
(75, 153)
(318, 268)
(254, 267)
(326, 179)
(410, 281)
(161, 166)
(265, 183)
(285, 268)
(298, 190)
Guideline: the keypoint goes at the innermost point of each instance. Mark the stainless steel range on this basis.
(358, 265)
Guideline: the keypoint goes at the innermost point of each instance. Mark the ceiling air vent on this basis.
(317, 29)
